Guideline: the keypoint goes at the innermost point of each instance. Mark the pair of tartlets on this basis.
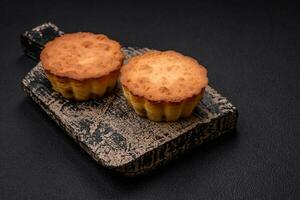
(162, 86)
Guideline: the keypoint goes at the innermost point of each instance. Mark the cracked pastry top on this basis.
(164, 76)
(82, 56)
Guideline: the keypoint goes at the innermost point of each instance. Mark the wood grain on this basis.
(111, 132)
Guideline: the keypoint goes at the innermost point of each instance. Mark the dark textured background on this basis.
(251, 50)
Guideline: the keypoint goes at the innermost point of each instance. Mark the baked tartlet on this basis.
(163, 86)
(81, 65)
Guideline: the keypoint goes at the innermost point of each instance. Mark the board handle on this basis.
(34, 40)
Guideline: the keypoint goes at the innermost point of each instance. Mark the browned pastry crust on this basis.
(164, 76)
(82, 56)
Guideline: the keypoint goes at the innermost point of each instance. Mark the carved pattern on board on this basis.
(110, 131)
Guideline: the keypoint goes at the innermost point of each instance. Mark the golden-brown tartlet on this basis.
(81, 65)
(163, 86)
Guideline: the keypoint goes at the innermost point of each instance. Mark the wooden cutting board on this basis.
(116, 137)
